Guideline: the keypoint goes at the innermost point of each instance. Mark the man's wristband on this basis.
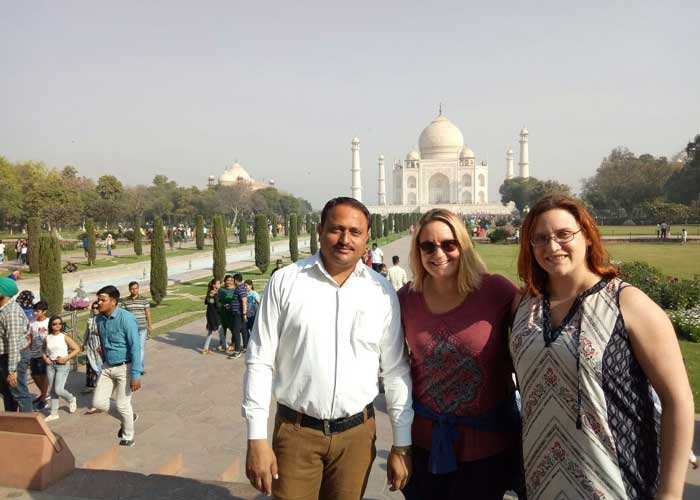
(401, 450)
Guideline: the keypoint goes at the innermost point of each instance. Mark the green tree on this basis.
(219, 268)
(138, 238)
(50, 278)
(199, 233)
(293, 238)
(273, 222)
(92, 243)
(262, 243)
(159, 264)
(242, 230)
(33, 247)
(373, 226)
(386, 225)
(624, 180)
(519, 190)
(684, 184)
(300, 224)
(313, 239)
(380, 226)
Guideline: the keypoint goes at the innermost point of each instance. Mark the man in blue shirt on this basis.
(122, 367)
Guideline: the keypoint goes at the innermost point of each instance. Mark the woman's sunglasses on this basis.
(430, 247)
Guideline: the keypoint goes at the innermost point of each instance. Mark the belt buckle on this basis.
(327, 428)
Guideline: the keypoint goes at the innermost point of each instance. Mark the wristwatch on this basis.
(401, 450)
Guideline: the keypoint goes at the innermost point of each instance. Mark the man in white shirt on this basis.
(397, 274)
(2, 252)
(377, 257)
(325, 327)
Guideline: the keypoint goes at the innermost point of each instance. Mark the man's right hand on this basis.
(12, 382)
(261, 465)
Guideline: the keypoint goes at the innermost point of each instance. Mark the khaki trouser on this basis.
(314, 466)
(116, 379)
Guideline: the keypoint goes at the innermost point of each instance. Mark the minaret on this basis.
(524, 162)
(509, 163)
(356, 179)
(381, 195)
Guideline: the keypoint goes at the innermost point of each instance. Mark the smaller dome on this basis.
(355, 140)
(233, 174)
(524, 131)
(413, 156)
(467, 153)
(381, 157)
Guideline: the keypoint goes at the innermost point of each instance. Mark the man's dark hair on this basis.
(344, 200)
(238, 277)
(42, 305)
(395, 259)
(374, 245)
(110, 290)
(132, 283)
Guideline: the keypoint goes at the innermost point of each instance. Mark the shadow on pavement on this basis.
(186, 340)
(103, 484)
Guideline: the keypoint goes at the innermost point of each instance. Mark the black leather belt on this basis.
(328, 427)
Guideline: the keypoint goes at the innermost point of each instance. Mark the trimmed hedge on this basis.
(159, 264)
(50, 273)
(199, 233)
(262, 243)
(293, 237)
(33, 245)
(220, 237)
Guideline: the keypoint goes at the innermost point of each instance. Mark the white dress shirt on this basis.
(377, 255)
(397, 276)
(325, 344)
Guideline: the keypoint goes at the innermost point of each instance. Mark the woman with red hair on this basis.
(587, 350)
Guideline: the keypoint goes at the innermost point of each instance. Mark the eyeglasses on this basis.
(446, 245)
(563, 236)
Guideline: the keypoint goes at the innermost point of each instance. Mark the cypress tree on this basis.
(293, 238)
(33, 245)
(219, 269)
(273, 223)
(313, 239)
(92, 243)
(380, 229)
(387, 225)
(242, 230)
(262, 243)
(50, 279)
(171, 237)
(300, 225)
(138, 240)
(199, 233)
(159, 265)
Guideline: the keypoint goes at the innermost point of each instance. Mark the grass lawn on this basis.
(693, 229)
(682, 261)
(691, 354)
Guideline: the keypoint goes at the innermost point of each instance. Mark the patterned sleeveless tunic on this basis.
(589, 430)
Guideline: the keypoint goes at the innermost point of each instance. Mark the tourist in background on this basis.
(23, 252)
(57, 350)
(92, 350)
(140, 307)
(252, 310)
(121, 367)
(211, 300)
(384, 271)
(397, 274)
(2, 252)
(14, 275)
(582, 334)
(13, 338)
(466, 432)
(109, 241)
(237, 308)
(39, 328)
(278, 265)
(684, 236)
(377, 256)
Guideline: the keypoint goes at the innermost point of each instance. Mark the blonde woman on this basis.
(456, 318)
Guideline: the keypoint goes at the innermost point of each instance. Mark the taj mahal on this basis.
(444, 172)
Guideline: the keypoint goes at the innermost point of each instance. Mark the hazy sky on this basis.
(183, 89)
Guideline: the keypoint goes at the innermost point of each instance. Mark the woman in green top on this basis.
(227, 295)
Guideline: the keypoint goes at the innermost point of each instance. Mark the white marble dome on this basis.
(233, 174)
(440, 140)
(467, 153)
(413, 156)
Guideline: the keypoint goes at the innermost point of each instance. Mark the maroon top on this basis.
(460, 363)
